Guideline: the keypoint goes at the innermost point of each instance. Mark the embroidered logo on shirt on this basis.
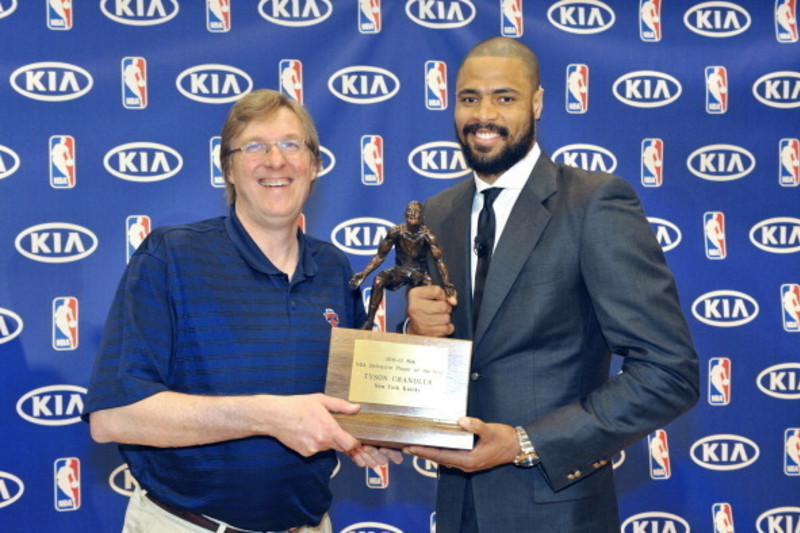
(331, 317)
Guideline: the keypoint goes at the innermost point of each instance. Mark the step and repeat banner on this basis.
(110, 112)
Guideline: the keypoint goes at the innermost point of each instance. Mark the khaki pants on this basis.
(144, 516)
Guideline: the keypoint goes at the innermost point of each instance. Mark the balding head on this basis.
(508, 48)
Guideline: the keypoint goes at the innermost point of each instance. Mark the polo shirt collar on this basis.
(253, 256)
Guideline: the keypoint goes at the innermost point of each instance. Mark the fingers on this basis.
(373, 457)
(449, 458)
(429, 311)
(395, 456)
(339, 405)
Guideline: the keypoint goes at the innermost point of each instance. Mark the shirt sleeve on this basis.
(135, 354)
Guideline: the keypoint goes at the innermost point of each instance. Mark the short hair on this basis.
(258, 105)
(510, 48)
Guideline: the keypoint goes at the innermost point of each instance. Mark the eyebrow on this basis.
(501, 90)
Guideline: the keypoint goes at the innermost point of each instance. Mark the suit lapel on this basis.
(525, 225)
(458, 253)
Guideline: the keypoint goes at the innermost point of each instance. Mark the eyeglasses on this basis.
(285, 146)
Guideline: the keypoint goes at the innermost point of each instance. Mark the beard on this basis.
(509, 156)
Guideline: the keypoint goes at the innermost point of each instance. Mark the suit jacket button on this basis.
(475, 376)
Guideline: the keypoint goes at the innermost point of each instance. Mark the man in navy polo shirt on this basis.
(214, 355)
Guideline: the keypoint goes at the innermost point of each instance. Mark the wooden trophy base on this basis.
(412, 389)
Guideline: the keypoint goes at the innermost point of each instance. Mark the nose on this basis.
(486, 110)
(274, 157)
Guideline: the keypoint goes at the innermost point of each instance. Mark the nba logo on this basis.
(791, 460)
(786, 21)
(722, 515)
(719, 381)
(659, 455)
(215, 163)
(134, 83)
(59, 15)
(436, 85)
(369, 16)
(789, 163)
(380, 314)
(377, 477)
(652, 162)
(511, 18)
(432, 528)
(218, 16)
(577, 88)
(65, 323)
(714, 231)
(372, 160)
(62, 162)
(650, 20)
(716, 90)
(67, 484)
(137, 227)
(790, 299)
(290, 72)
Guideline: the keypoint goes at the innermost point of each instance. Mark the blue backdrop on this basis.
(109, 112)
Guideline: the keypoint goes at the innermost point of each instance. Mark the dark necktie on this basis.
(484, 243)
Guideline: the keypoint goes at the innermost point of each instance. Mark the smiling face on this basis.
(496, 110)
(271, 187)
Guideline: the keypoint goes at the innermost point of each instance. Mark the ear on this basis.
(538, 103)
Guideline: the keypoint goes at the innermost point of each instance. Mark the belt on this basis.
(200, 520)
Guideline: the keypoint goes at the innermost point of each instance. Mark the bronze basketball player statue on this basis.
(411, 241)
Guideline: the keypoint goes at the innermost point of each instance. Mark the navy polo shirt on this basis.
(201, 310)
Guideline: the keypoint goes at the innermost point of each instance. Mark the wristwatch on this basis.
(527, 457)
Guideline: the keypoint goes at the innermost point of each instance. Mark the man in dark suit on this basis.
(576, 274)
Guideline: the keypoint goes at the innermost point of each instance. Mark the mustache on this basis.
(472, 128)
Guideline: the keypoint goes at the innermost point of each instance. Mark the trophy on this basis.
(412, 389)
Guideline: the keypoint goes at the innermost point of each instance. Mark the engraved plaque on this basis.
(412, 389)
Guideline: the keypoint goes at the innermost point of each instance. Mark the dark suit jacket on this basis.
(576, 276)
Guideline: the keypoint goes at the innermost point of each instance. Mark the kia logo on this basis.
(363, 84)
(360, 236)
(717, 19)
(725, 308)
(656, 522)
(780, 381)
(721, 162)
(438, 14)
(587, 16)
(779, 235)
(778, 89)
(328, 161)
(9, 162)
(295, 13)
(140, 12)
(143, 162)
(10, 325)
(773, 521)
(724, 452)
(646, 88)
(54, 405)
(56, 242)
(586, 156)
(51, 81)
(213, 83)
(668, 234)
(438, 160)
(11, 489)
